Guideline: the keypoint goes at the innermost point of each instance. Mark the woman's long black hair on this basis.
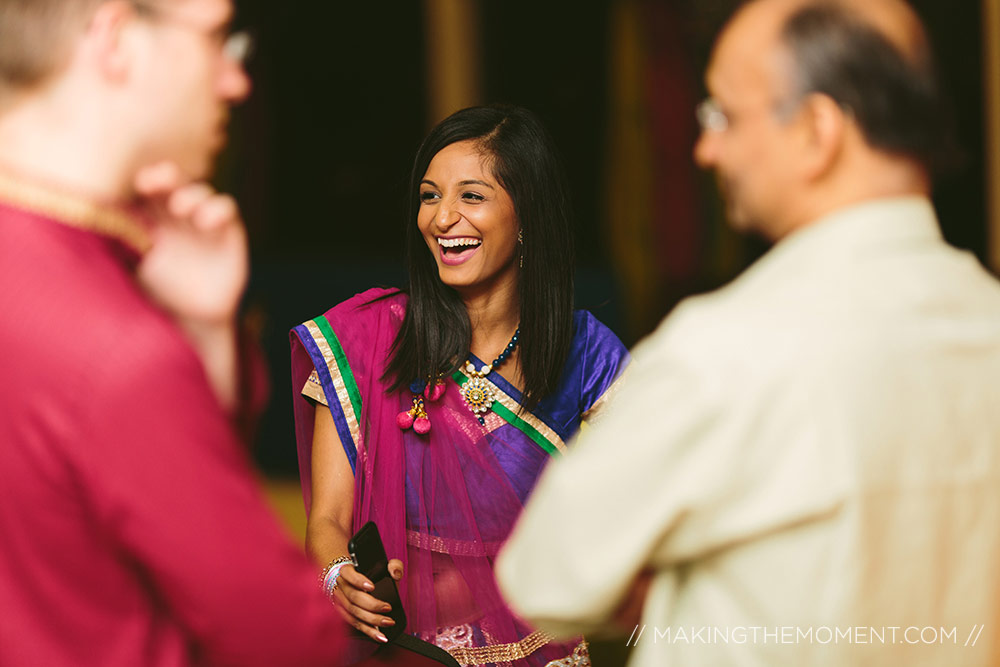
(436, 332)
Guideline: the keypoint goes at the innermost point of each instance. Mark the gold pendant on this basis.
(477, 394)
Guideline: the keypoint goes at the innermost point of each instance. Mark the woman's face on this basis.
(468, 221)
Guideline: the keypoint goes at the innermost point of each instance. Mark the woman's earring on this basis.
(520, 242)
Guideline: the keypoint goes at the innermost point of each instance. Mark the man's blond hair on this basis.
(35, 39)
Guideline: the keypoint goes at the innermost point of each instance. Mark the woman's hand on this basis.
(361, 609)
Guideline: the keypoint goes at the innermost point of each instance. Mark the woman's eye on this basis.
(428, 196)
(472, 196)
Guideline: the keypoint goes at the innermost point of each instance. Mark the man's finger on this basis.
(183, 202)
(158, 179)
(215, 213)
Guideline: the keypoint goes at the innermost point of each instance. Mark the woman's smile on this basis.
(457, 250)
(468, 220)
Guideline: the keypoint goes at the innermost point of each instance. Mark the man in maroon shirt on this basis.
(132, 531)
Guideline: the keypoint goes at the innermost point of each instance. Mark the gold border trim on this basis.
(313, 388)
(75, 212)
(451, 547)
(531, 420)
(484, 655)
(343, 398)
(580, 657)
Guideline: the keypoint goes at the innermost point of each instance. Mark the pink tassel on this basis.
(404, 420)
(433, 392)
(422, 425)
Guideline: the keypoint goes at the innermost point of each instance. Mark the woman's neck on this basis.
(494, 316)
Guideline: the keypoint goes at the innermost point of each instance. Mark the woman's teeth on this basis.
(461, 243)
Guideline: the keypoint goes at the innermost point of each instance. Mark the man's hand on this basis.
(197, 267)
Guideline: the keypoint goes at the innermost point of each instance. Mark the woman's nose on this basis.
(447, 216)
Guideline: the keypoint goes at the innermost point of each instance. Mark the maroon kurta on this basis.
(132, 531)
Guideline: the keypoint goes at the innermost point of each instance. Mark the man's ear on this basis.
(110, 39)
(824, 125)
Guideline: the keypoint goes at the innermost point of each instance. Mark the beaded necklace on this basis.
(477, 392)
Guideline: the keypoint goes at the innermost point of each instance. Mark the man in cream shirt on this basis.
(804, 466)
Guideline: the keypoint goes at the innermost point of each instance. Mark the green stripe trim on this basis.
(342, 365)
(511, 418)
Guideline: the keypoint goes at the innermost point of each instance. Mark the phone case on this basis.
(369, 554)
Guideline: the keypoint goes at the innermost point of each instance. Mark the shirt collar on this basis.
(116, 222)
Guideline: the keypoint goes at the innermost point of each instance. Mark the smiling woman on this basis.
(505, 188)
(405, 420)
(469, 223)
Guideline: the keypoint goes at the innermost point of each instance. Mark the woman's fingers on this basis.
(354, 578)
(363, 611)
(396, 568)
(345, 609)
(365, 616)
(366, 607)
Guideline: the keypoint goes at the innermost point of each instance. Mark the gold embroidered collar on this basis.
(75, 211)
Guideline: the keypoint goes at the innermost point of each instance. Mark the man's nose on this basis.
(234, 82)
(706, 149)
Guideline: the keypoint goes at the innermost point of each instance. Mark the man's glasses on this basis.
(237, 45)
(710, 116)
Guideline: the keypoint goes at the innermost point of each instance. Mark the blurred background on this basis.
(344, 92)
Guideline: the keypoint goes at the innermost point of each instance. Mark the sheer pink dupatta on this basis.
(348, 348)
(444, 502)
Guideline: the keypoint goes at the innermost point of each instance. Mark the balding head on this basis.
(873, 59)
(824, 103)
(895, 20)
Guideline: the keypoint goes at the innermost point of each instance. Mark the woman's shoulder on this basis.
(591, 336)
(358, 332)
(374, 303)
(596, 360)
(596, 349)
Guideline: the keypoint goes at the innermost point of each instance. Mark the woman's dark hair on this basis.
(436, 332)
(895, 98)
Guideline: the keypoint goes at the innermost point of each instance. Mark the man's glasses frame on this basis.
(237, 45)
(710, 116)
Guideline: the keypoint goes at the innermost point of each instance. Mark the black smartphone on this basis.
(368, 552)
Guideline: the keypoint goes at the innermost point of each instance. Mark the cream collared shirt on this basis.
(808, 459)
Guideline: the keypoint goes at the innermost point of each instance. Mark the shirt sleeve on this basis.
(172, 487)
(663, 478)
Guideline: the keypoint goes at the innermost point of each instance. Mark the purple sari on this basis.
(444, 502)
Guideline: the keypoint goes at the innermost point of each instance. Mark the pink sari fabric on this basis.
(445, 501)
